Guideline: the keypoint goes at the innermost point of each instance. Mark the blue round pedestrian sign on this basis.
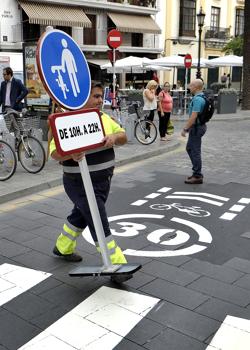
(63, 69)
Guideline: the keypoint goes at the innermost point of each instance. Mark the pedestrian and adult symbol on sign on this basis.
(63, 69)
(68, 66)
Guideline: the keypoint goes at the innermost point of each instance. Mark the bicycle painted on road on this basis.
(192, 211)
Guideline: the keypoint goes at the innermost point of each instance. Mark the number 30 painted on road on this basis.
(130, 229)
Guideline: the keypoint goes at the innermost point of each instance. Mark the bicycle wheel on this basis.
(8, 161)
(31, 154)
(145, 132)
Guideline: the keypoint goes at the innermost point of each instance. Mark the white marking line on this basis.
(204, 234)
(164, 189)
(209, 195)
(15, 280)
(244, 201)
(234, 333)
(114, 38)
(153, 195)
(99, 322)
(228, 216)
(200, 199)
(139, 202)
(237, 208)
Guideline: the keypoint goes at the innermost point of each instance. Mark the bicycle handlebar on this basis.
(13, 111)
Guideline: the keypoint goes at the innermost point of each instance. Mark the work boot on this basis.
(193, 180)
(68, 257)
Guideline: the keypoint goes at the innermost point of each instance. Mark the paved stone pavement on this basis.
(23, 183)
(195, 294)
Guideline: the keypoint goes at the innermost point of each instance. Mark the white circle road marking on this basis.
(132, 229)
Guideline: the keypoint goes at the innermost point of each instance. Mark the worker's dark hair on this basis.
(95, 84)
(8, 71)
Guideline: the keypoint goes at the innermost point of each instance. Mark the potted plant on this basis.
(227, 101)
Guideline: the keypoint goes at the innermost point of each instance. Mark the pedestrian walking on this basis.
(195, 131)
(165, 106)
(101, 163)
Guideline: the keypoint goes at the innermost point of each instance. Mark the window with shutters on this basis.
(239, 22)
(187, 18)
(215, 18)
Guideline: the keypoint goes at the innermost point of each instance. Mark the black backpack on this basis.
(208, 110)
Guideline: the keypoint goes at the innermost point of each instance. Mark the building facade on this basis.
(88, 22)
(224, 20)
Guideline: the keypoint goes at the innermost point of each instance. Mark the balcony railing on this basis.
(144, 3)
(217, 33)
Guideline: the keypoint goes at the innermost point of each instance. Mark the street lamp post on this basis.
(200, 18)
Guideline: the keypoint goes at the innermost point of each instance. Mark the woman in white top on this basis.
(150, 99)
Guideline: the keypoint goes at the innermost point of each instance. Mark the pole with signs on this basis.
(79, 131)
(188, 64)
(65, 74)
(114, 40)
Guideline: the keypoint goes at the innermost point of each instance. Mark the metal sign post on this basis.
(114, 40)
(188, 64)
(185, 97)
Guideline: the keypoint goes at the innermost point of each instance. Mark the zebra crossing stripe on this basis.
(234, 333)
(244, 201)
(15, 280)
(153, 195)
(140, 202)
(236, 209)
(228, 216)
(99, 322)
(164, 189)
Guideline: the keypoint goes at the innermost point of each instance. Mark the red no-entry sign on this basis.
(114, 39)
(188, 60)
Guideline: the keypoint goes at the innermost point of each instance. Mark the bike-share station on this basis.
(173, 220)
(65, 73)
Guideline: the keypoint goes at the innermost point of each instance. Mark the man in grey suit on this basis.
(11, 94)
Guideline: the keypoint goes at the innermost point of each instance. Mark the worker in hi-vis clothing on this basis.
(101, 163)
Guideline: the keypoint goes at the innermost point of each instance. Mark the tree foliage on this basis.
(234, 46)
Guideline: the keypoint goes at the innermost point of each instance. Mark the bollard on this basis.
(130, 127)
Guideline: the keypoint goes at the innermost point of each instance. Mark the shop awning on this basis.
(134, 23)
(55, 15)
(98, 61)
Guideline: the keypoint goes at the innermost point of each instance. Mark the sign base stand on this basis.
(122, 270)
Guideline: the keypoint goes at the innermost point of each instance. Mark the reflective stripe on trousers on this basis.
(115, 252)
(66, 242)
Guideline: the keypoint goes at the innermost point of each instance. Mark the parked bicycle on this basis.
(193, 211)
(145, 130)
(30, 151)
